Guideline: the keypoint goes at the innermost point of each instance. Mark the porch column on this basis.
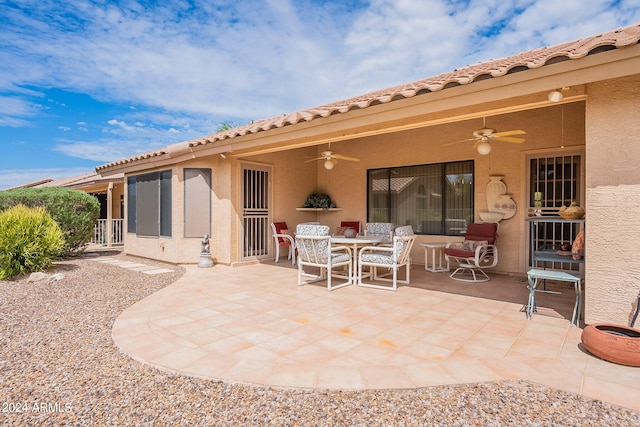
(110, 215)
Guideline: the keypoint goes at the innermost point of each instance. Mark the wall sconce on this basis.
(484, 148)
(555, 96)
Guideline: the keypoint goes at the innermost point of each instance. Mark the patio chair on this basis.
(283, 237)
(313, 243)
(381, 229)
(477, 252)
(392, 258)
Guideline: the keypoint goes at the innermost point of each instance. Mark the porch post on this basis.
(110, 215)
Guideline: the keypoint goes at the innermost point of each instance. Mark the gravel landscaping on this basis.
(59, 366)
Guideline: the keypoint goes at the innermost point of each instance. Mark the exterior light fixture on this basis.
(484, 148)
(555, 96)
(224, 156)
(328, 164)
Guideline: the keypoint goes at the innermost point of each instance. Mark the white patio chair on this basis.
(393, 258)
(313, 243)
(380, 229)
(283, 237)
(477, 252)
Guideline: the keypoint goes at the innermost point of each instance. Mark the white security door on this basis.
(554, 180)
(256, 182)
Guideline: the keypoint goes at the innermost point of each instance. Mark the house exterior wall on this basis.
(613, 195)
(346, 182)
(180, 249)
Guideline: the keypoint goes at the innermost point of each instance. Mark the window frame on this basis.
(442, 172)
(192, 194)
(150, 195)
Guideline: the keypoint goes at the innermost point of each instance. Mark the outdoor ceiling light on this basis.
(328, 164)
(224, 156)
(555, 96)
(484, 148)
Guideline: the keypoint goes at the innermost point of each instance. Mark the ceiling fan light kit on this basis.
(331, 158)
(484, 148)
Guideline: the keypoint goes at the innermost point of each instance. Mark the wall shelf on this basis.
(318, 209)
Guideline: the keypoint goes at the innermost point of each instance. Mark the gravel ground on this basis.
(59, 366)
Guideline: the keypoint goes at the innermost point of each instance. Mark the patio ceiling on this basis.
(480, 90)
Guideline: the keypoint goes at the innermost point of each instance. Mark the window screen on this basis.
(149, 204)
(197, 202)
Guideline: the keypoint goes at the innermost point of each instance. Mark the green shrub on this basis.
(76, 212)
(29, 240)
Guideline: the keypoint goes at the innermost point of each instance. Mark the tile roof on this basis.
(530, 59)
(81, 180)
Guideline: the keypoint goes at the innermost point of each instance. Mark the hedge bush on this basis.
(76, 212)
(29, 240)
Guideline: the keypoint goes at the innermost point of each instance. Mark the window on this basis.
(434, 199)
(197, 202)
(149, 204)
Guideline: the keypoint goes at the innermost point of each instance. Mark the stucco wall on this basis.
(613, 197)
(346, 182)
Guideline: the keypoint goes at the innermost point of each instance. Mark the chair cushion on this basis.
(471, 245)
(459, 253)
(486, 231)
(351, 224)
(376, 258)
(338, 258)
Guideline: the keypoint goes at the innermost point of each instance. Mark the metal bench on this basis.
(534, 276)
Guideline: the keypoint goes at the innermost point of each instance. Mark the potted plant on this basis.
(319, 201)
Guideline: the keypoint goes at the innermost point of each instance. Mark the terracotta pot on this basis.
(614, 343)
(350, 233)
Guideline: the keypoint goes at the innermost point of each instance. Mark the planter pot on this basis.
(614, 343)
(350, 233)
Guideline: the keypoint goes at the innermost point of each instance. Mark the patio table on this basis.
(355, 242)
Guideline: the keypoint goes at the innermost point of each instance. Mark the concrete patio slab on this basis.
(253, 324)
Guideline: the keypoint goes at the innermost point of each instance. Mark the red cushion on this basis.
(353, 224)
(280, 226)
(459, 253)
(486, 231)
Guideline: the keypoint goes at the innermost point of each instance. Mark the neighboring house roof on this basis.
(77, 181)
(527, 60)
(32, 184)
(395, 185)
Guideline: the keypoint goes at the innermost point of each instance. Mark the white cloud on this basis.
(180, 69)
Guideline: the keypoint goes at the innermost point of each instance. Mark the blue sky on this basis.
(83, 83)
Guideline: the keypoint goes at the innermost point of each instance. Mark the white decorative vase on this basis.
(506, 205)
(495, 188)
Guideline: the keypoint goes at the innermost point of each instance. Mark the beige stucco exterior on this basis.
(613, 197)
(597, 119)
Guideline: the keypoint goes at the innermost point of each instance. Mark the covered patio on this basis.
(254, 325)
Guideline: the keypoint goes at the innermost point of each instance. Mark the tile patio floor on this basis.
(253, 324)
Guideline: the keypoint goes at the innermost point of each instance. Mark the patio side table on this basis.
(534, 275)
(434, 247)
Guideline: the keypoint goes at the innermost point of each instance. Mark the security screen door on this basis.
(256, 181)
(554, 181)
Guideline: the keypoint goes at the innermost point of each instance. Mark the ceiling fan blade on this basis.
(314, 159)
(458, 142)
(510, 133)
(509, 139)
(341, 157)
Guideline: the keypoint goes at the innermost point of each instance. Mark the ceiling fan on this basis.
(484, 136)
(331, 158)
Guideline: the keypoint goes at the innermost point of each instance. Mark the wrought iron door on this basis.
(256, 182)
